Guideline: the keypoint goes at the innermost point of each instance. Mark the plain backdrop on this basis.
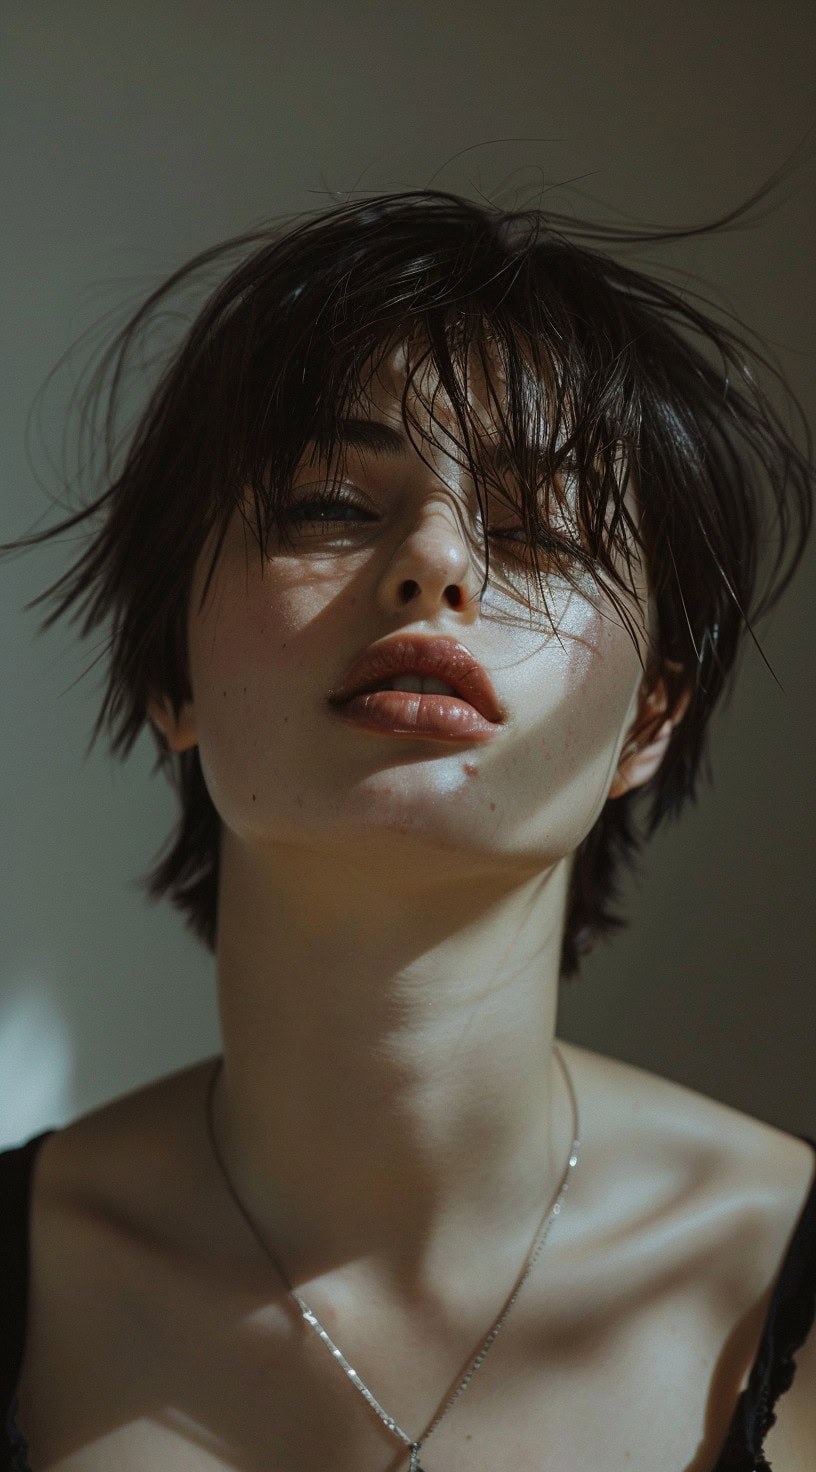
(135, 135)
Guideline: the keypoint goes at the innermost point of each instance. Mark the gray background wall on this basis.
(133, 136)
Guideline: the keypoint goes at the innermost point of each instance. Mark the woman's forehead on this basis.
(404, 372)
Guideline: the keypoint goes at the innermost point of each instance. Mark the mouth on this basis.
(429, 714)
(412, 684)
(438, 668)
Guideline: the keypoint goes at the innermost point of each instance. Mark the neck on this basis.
(389, 1088)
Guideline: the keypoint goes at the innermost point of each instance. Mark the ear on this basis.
(646, 746)
(179, 731)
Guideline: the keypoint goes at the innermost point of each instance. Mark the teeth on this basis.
(420, 684)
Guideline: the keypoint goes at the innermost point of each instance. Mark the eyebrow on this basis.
(382, 439)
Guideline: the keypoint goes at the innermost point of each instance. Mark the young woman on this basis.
(428, 561)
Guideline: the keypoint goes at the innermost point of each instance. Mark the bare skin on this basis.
(390, 1110)
(159, 1334)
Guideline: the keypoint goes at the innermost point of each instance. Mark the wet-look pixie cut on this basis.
(608, 378)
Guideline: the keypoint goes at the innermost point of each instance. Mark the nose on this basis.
(434, 564)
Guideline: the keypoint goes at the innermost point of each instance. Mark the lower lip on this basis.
(408, 713)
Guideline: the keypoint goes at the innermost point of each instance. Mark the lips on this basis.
(439, 658)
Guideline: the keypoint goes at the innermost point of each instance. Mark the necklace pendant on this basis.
(415, 1467)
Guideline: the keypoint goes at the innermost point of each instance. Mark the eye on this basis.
(323, 510)
(515, 534)
(298, 512)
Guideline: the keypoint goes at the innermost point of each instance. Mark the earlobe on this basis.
(640, 760)
(640, 763)
(179, 731)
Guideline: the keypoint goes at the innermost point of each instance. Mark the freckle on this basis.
(286, 720)
(470, 769)
(254, 798)
(492, 807)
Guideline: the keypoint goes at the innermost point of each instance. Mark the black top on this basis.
(789, 1318)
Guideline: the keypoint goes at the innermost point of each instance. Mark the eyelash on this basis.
(335, 499)
(327, 498)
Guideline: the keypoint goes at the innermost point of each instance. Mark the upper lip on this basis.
(414, 654)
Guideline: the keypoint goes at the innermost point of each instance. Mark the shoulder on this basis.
(634, 1125)
(717, 1174)
(748, 1184)
(124, 1166)
(647, 1111)
(675, 1191)
(636, 1121)
(659, 1164)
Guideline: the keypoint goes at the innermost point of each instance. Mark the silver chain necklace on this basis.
(311, 1318)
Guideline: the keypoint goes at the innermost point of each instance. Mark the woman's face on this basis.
(277, 634)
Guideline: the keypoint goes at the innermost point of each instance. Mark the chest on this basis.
(136, 1363)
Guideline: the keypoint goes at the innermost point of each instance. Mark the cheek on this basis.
(576, 706)
(246, 643)
(263, 655)
(247, 666)
(600, 685)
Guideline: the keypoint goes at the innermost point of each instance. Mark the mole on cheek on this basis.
(470, 769)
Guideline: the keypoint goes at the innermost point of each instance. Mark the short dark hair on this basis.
(274, 358)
